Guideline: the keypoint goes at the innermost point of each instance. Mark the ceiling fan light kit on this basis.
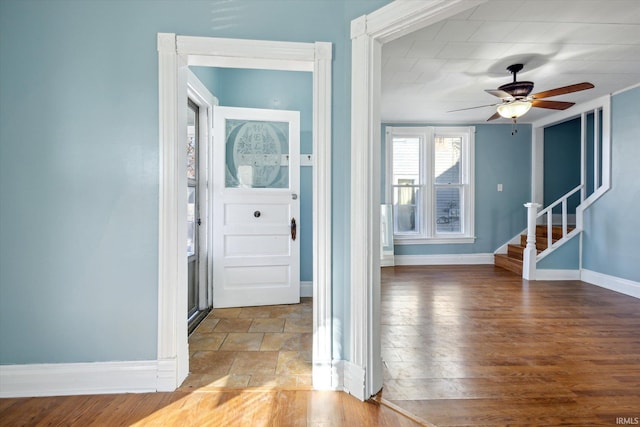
(514, 109)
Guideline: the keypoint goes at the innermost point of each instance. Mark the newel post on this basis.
(530, 252)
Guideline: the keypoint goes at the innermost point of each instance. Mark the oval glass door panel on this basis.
(257, 154)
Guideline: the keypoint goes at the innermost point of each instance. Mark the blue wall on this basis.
(501, 158)
(566, 257)
(79, 163)
(611, 236)
(562, 162)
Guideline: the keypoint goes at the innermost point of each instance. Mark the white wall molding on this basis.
(368, 34)
(551, 274)
(322, 291)
(400, 18)
(445, 259)
(241, 53)
(613, 283)
(64, 379)
(365, 217)
(172, 266)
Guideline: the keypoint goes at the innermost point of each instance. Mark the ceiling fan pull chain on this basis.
(514, 127)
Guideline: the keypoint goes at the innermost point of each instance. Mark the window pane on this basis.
(405, 205)
(406, 161)
(447, 152)
(257, 154)
(448, 210)
(191, 220)
(192, 138)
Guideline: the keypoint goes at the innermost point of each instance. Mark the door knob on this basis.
(294, 229)
(257, 214)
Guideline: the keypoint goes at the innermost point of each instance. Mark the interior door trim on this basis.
(368, 35)
(175, 53)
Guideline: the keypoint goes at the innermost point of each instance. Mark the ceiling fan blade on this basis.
(495, 116)
(472, 108)
(553, 105)
(499, 93)
(563, 90)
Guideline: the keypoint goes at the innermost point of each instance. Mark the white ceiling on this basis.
(448, 65)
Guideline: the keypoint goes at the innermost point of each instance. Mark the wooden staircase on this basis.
(512, 260)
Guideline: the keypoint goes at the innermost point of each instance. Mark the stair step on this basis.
(541, 242)
(508, 263)
(556, 231)
(541, 235)
(512, 260)
(515, 251)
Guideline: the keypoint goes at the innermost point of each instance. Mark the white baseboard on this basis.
(167, 371)
(328, 375)
(444, 259)
(617, 284)
(64, 379)
(549, 274)
(387, 260)
(354, 380)
(306, 289)
(337, 375)
(321, 375)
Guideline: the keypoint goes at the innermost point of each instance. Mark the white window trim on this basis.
(426, 134)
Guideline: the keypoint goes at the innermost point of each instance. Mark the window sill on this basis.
(433, 240)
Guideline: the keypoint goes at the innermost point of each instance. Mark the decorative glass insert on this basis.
(257, 154)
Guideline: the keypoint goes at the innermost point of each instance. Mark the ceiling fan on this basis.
(516, 99)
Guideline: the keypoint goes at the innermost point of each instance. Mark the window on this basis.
(193, 124)
(430, 183)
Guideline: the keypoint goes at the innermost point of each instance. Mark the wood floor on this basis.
(477, 345)
(251, 408)
(462, 346)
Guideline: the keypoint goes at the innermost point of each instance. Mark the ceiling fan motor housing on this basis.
(517, 89)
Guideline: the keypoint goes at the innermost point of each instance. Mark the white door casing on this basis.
(363, 373)
(175, 54)
(256, 187)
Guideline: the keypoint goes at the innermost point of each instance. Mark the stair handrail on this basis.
(549, 212)
(531, 255)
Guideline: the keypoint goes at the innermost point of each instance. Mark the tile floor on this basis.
(261, 347)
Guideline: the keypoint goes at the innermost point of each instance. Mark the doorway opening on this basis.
(369, 33)
(176, 54)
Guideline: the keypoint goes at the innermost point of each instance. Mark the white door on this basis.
(256, 184)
